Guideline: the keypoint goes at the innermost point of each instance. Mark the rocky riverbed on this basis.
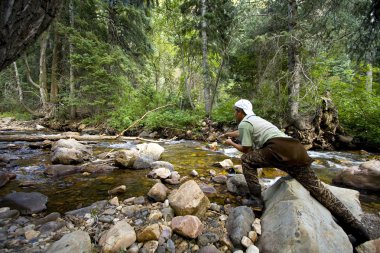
(175, 214)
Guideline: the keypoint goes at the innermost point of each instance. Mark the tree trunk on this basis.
(21, 24)
(71, 68)
(54, 67)
(186, 76)
(18, 83)
(294, 66)
(43, 73)
(206, 72)
(369, 78)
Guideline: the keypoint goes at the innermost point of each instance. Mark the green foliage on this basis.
(16, 115)
(224, 112)
(174, 119)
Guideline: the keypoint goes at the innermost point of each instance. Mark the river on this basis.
(74, 191)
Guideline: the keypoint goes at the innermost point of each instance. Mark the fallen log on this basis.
(56, 137)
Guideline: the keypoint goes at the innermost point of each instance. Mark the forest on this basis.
(106, 63)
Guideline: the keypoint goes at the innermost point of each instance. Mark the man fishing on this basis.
(264, 145)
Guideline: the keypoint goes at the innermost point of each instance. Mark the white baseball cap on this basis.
(245, 105)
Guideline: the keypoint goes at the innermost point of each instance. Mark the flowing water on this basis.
(74, 191)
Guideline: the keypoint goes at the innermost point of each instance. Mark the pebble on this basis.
(246, 242)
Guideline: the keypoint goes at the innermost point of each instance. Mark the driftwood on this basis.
(56, 137)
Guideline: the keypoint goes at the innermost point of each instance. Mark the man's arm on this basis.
(233, 134)
(239, 147)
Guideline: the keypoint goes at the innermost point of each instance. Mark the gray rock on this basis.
(239, 224)
(25, 202)
(237, 185)
(97, 206)
(51, 226)
(142, 162)
(60, 170)
(295, 222)
(77, 241)
(207, 238)
(209, 249)
(162, 164)
(9, 214)
(69, 151)
(170, 246)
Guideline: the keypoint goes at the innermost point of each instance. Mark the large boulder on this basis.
(69, 151)
(364, 177)
(295, 222)
(189, 200)
(152, 150)
(118, 238)
(25, 202)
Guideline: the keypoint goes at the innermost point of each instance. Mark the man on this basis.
(264, 145)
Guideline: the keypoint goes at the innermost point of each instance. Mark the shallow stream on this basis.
(74, 191)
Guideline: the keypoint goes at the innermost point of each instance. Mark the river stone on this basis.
(51, 226)
(188, 226)
(25, 202)
(126, 158)
(5, 178)
(209, 190)
(97, 206)
(150, 246)
(207, 238)
(118, 238)
(225, 164)
(158, 192)
(239, 224)
(372, 246)
(219, 179)
(69, 151)
(162, 164)
(364, 177)
(237, 185)
(9, 214)
(160, 173)
(77, 241)
(209, 249)
(6, 158)
(60, 170)
(189, 199)
(50, 217)
(152, 150)
(151, 232)
(142, 162)
(295, 222)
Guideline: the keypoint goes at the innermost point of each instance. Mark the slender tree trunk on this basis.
(186, 76)
(370, 56)
(54, 67)
(206, 72)
(369, 78)
(18, 83)
(43, 72)
(294, 66)
(71, 68)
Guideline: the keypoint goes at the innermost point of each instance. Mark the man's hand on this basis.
(229, 142)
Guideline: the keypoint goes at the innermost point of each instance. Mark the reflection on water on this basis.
(74, 191)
